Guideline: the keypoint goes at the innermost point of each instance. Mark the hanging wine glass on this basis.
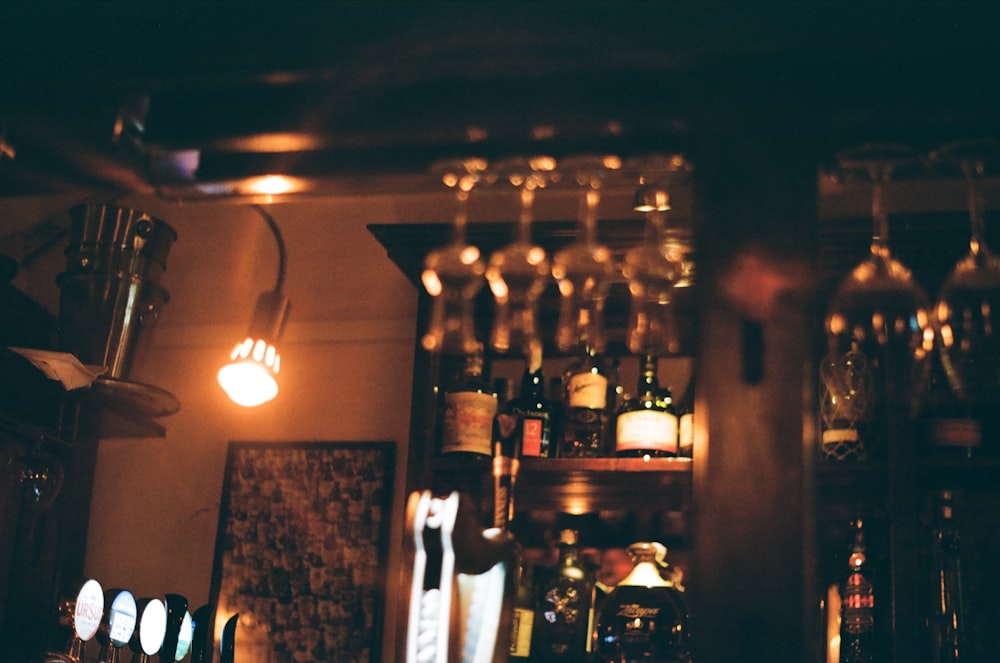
(585, 267)
(879, 310)
(518, 272)
(40, 476)
(453, 274)
(657, 265)
(967, 312)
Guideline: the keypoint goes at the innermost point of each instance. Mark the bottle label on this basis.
(835, 435)
(638, 612)
(468, 422)
(520, 635)
(531, 437)
(647, 429)
(587, 390)
(956, 433)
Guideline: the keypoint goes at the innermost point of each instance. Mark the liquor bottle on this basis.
(645, 618)
(586, 385)
(536, 412)
(507, 437)
(565, 612)
(846, 407)
(469, 408)
(556, 395)
(946, 622)
(647, 423)
(950, 428)
(503, 389)
(685, 422)
(857, 604)
(523, 618)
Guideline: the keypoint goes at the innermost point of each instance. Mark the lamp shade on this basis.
(250, 378)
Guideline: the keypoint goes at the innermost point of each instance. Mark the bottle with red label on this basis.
(536, 411)
(857, 604)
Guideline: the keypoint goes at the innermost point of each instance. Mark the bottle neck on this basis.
(533, 384)
(645, 574)
(649, 385)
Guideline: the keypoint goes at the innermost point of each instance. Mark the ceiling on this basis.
(191, 99)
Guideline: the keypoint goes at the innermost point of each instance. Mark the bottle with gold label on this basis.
(469, 408)
(645, 617)
(523, 617)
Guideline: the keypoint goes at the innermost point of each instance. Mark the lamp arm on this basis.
(279, 240)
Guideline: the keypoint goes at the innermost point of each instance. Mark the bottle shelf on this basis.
(584, 485)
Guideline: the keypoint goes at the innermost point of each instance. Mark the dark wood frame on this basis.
(302, 548)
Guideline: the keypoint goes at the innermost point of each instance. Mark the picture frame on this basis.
(302, 547)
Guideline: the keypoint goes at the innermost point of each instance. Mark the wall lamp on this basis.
(250, 377)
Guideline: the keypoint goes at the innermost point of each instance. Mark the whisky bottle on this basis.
(946, 621)
(647, 423)
(469, 408)
(503, 389)
(523, 618)
(645, 618)
(846, 406)
(565, 611)
(586, 384)
(536, 412)
(950, 428)
(685, 422)
(857, 604)
(506, 463)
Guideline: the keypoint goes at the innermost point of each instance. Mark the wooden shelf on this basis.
(585, 485)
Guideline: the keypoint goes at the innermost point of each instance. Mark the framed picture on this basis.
(302, 548)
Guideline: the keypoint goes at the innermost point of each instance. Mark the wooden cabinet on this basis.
(743, 503)
(759, 520)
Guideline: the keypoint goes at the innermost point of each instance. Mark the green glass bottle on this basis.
(946, 620)
(646, 425)
(536, 411)
(565, 611)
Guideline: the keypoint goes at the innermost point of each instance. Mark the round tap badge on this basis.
(121, 622)
(89, 610)
(153, 627)
(185, 637)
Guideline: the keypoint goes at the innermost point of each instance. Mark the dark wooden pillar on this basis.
(752, 590)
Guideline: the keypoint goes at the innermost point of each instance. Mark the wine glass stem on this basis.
(591, 199)
(880, 216)
(975, 210)
(524, 222)
(654, 225)
(461, 219)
